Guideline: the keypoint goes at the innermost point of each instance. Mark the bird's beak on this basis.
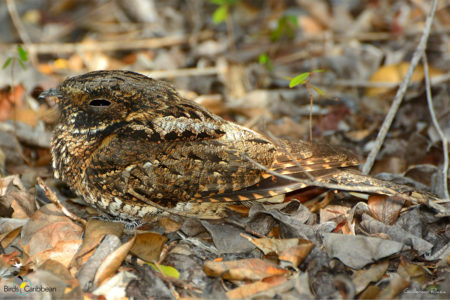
(51, 95)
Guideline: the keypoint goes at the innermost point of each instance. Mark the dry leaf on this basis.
(296, 254)
(244, 269)
(248, 290)
(63, 252)
(384, 208)
(112, 262)
(169, 225)
(362, 278)
(395, 74)
(95, 231)
(148, 246)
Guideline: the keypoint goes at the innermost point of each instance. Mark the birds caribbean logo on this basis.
(22, 284)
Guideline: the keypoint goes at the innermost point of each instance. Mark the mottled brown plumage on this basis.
(132, 146)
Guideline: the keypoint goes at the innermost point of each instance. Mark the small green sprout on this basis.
(287, 25)
(21, 57)
(221, 13)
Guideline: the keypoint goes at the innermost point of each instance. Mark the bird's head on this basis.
(101, 99)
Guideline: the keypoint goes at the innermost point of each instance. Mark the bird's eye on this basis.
(100, 103)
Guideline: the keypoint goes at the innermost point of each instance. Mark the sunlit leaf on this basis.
(221, 14)
(299, 79)
(7, 62)
(319, 91)
(23, 55)
(167, 270)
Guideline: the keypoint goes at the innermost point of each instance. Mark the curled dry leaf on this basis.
(295, 255)
(112, 262)
(384, 208)
(94, 233)
(363, 278)
(243, 269)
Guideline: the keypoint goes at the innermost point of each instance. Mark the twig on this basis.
(12, 10)
(52, 48)
(436, 80)
(54, 199)
(11, 5)
(400, 92)
(181, 72)
(438, 128)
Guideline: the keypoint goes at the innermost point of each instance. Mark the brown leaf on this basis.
(148, 246)
(412, 272)
(169, 224)
(395, 287)
(390, 164)
(243, 269)
(112, 262)
(384, 208)
(63, 252)
(370, 293)
(268, 246)
(51, 234)
(362, 278)
(248, 290)
(395, 74)
(95, 231)
(296, 254)
(10, 237)
(58, 269)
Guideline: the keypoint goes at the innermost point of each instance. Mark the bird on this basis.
(132, 147)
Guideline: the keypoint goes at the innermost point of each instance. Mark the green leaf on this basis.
(299, 79)
(223, 2)
(22, 64)
(221, 14)
(218, 2)
(276, 34)
(319, 91)
(7, 62)
(293, 20)
(23, 55)
(263, 58)
(167, 270)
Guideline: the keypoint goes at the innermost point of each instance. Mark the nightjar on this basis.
(133, 147)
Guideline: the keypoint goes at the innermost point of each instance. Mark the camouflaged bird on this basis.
(133, 147)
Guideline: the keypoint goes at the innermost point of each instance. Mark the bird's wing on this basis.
(303, 163)
(180, 169)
